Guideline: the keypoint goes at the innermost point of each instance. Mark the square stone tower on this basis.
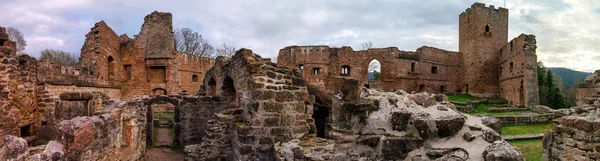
(482, 32)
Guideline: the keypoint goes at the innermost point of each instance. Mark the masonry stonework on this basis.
(474, 69)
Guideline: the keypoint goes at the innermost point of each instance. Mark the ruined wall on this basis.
(115, 132)
(19, 97)
(400, 70)
(482, 31)
(518, 71)
(265, 104)
(588, 89)
(191, 70)
(100, 58)
(573, 138)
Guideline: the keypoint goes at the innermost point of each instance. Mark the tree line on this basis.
(186, 40)
(552, 91)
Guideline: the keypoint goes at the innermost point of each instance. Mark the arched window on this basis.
(212, 87)
(228, 88)
(434, 70)
(111, 67)
(194, 78)
(374, 69)
(345, 70)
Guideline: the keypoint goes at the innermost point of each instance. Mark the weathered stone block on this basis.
(449, 125)
(76, 133)
(273, 107)
(399, 120)
(396, 148)
(285, 96)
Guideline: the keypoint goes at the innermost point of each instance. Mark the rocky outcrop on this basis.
(400, 126)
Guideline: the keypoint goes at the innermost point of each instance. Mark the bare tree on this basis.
(225, 50)
(367, 45)
(58, 57)
(15, 35)
(191, 42)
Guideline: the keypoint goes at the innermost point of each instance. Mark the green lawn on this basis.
(526, 129)
(164, 116)
(482, 109)
(531, 149)
(461, 98)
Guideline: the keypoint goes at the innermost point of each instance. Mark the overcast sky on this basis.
(567, 31)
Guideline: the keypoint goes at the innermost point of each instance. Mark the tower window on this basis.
(194, 78)
(316, 71)
(301, 66)
(434, 70)
(487, 30)
(412, 67)
(345, 70)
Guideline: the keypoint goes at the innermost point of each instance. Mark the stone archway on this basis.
(150, 118)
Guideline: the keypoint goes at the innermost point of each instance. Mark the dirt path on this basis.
(162, 150)
(163, 139)
(163, 154)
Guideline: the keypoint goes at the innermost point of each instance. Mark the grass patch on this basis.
(531, 149)
(526, 129)
(164, 116)
(461, 98)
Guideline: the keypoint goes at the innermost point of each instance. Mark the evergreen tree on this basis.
(376, 75)
(554, 96)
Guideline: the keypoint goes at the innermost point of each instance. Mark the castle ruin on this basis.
(485, 65)
(247, 108)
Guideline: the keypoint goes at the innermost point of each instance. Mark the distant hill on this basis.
(569, 76)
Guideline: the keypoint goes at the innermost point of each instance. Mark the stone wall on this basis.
(482, 32)
(191, 71)
(400, 70)
(262, 104)
(588, 89)
(526, 120)
(20, 114)
(475, 69)
(573, 138)
(116, 131)
(518, 71)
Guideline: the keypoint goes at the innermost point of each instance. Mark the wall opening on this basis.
(346, 70)
(442, 89)
(316, 71)
(500, 69)
(421, 87)
(228, 88)
(26, 131)
(212, 87)
(163, 120)
(374, 70)
(487, 29)
(467, 88)
(127, 69)
(301, 67)
(194, 78)
(321, 114)
(434, 70)
(412, 67)
(111, 67)
(510, 66)
(159, 91)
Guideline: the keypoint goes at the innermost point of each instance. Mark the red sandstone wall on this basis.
(188, 66)
(396, 72)
(519, 84)
(479, 47)
(100, 44)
